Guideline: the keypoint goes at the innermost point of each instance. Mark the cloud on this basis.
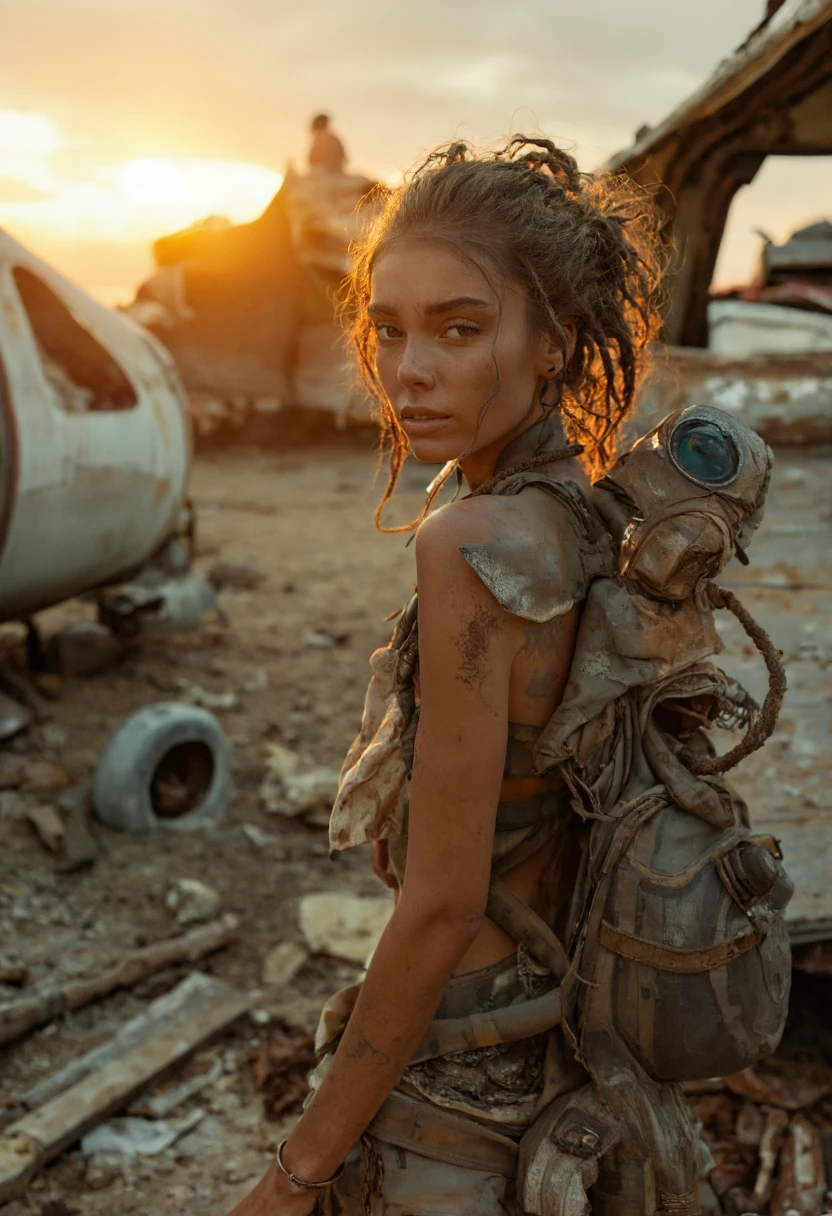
(14, 190)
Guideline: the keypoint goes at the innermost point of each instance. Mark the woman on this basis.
(500, 309)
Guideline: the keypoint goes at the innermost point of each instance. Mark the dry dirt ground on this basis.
(304, 519)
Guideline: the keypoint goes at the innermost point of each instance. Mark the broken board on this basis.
(35, 1139)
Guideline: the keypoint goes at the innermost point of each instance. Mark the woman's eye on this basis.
(462, 329)
(387, 333)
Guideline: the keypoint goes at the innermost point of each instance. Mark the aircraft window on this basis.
(85, 376)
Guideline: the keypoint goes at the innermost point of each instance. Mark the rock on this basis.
(14, 717)
(344, 925)
(293, 785)
(81, 649)
(103, 1169)
(50, 684)
(12, 770)
(53, 735)
(282, 964)
(133, 1137)
(203, 1144)
(241, 575)
(79, 848)
(48, 824)
(44, 777)
(319, 639)
(259, 682)
(12, 970)
(259, 838)
(192, 901)
(197, 695)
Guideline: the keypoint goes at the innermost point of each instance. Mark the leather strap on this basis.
(440, 1135)
(447, 1036)
(515, 916)
(669, 958)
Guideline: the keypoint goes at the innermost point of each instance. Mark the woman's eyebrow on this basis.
(386, 310)
(433, 310)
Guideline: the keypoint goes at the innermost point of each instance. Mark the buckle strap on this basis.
(441, 1135)
(671, 958)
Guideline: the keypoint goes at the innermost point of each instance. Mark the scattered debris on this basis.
(192, 901)
(319, 639)
(344, 925)
(12, 970)
(280, 1070)
(14, 717)
(816, 959)
(82, 649)
(259, 838)
(322, 639)
(294, 785)
(242, 576)
(35, 1139)
(194, 993)
(131, 1137)
(159, 1105)
(282, 964)
(789, 1084)
(259, 682)
(44, 776)
(48, 824)
(20, 1016)
(159, 605)
(79, 845)
(53, 735)
(774, 1133)
(197, 695)
(168, 765)
(802, 1183)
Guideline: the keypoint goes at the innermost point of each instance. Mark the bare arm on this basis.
(467, 644)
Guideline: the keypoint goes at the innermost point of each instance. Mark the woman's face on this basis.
(444, 341)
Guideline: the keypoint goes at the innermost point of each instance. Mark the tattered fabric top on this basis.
(538, 570)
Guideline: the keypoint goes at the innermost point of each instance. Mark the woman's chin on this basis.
(433, 451)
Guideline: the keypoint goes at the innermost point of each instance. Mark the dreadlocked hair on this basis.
(582, 246)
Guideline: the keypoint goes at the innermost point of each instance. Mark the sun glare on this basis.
(150, 180)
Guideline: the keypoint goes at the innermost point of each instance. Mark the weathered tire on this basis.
(167, 766)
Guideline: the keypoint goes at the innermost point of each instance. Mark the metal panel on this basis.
(97, 492)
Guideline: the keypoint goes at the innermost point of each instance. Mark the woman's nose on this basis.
(414, 372)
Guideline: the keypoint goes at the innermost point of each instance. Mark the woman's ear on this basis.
(554, 354)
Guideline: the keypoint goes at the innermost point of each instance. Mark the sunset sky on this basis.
(121, 121)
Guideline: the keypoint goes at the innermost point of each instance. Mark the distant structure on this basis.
(773, 97)
(326, 151)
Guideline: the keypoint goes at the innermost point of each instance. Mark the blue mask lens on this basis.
(704, 452)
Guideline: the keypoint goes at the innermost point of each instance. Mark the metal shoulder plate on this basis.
(540, 567)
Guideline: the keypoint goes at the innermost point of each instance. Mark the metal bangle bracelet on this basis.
(306, 1186)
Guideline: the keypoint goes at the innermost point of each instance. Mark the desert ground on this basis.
(294, 654)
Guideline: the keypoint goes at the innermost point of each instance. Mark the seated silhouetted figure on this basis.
(327, 151)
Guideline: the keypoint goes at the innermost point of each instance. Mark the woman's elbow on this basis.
(452, 920)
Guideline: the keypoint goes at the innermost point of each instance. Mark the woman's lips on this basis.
(427, 423)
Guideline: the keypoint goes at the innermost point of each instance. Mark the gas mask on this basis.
(684, 500)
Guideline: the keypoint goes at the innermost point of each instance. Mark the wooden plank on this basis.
(20, 1016)
(185, 1000)
(32, 1141)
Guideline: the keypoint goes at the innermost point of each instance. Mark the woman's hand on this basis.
(275, 1195)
